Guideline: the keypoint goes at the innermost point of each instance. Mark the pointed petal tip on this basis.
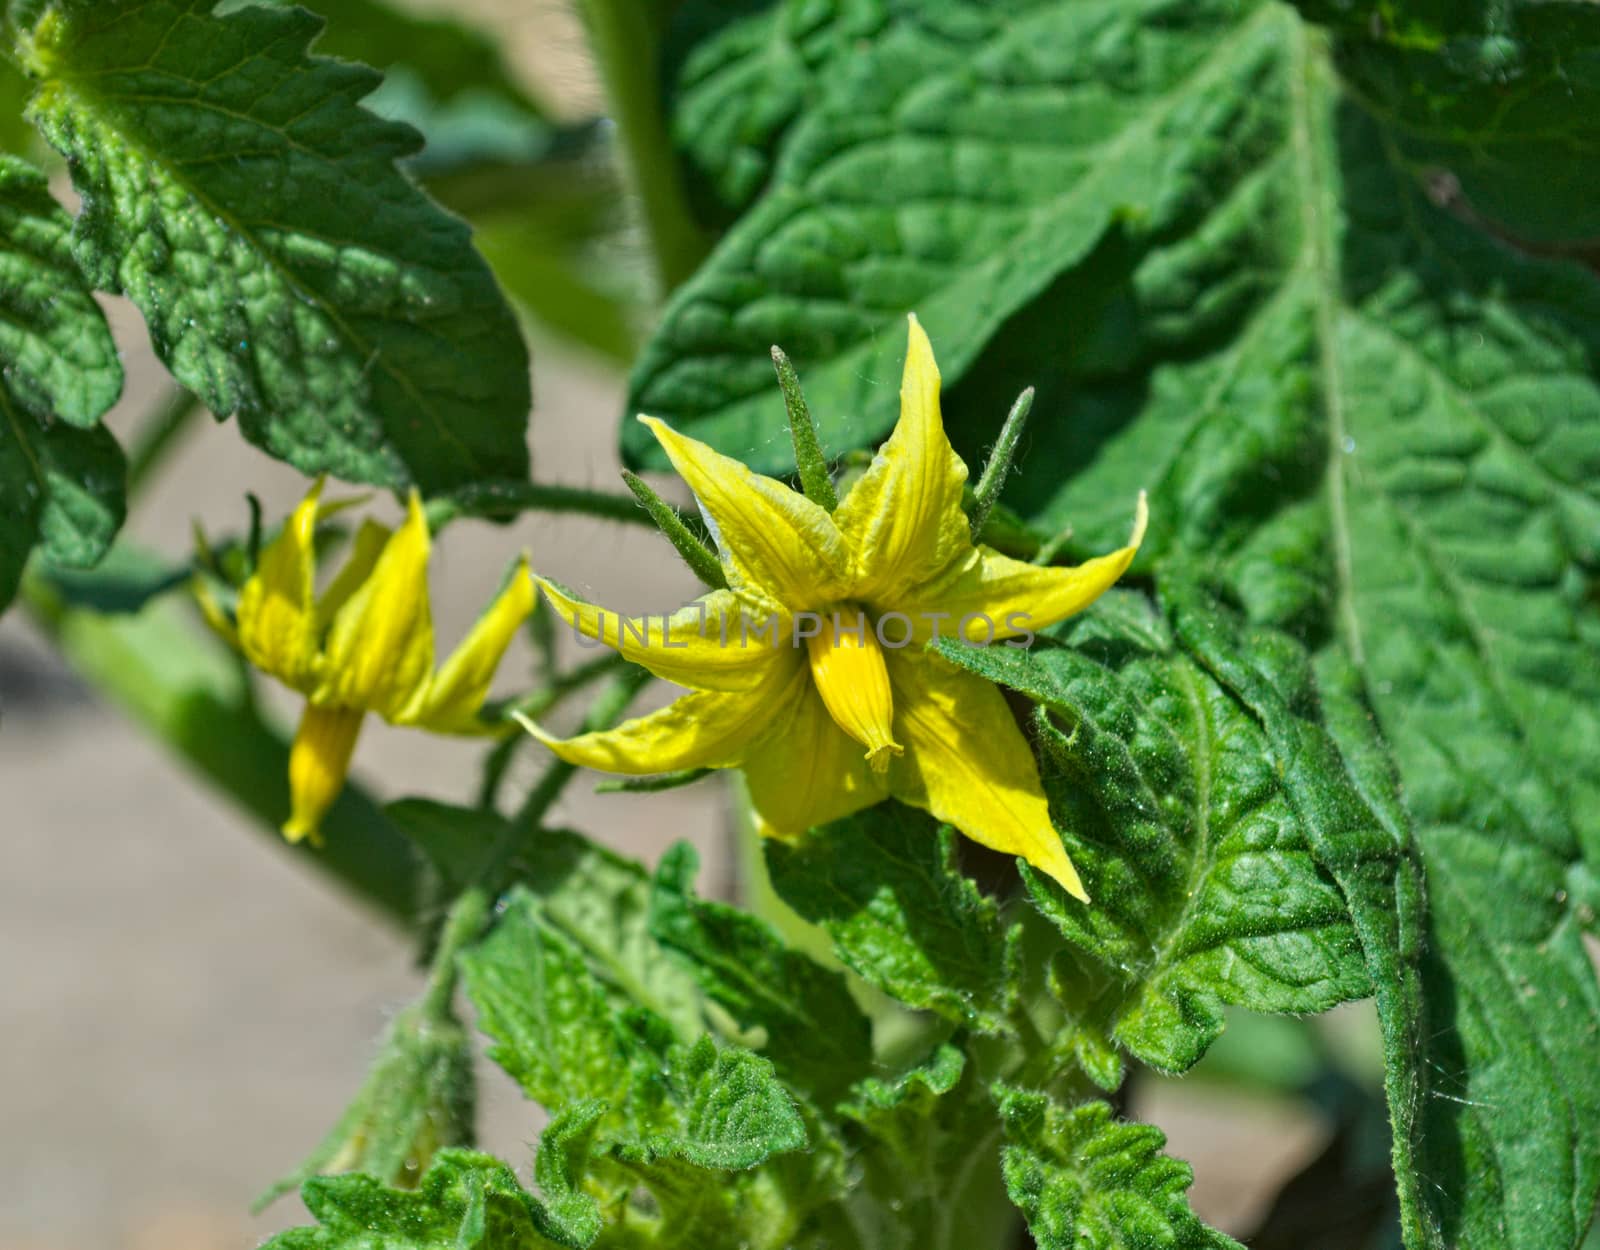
(1066, 876)
(1141, 520)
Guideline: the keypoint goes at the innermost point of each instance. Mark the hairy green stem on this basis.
(625, 36)
(199, 704)
(159, 434)
(503, 500)
(607, 709)
(468, 915)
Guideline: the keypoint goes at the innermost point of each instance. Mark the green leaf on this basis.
(1341, 783)
(559, 1035)
(598, 900)
(1206, 883)
(1086, 1181)
(926, 1141)
(61, 474)
(452, 60)
(1500, 102)
(951, 158)
(466, 1201)
(885, 886)
(236, 192)
(555, 1030)
(815, 1035)
(563, 1159)
(676, 1119)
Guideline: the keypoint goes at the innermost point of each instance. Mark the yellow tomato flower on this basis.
(364, 645)
(860, 711)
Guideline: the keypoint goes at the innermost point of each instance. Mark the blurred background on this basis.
(156, 942)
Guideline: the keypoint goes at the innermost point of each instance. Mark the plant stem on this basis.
(468, 915)
(605, 712)
(500, 500)
(198, 703)
(626, 38)
(158, 435)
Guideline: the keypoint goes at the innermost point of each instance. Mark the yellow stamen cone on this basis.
(847, 666)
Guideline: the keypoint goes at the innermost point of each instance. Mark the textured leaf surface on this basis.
(60, 473)
(598, 900)
(1377, 420)
(1088, 1182)
(466, 1201)
(957, 163)
(658, 1113)
(884, 884)
(1341, 784)
(814, 1033)
(237, 193)
(1206, 885)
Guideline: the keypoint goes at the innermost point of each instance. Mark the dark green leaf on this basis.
(238, 194)
(466, 1201)
(1086, 1181)
(815, 1034)
(1206, 885)
(953, 158)
(61, 475)
(885, 886)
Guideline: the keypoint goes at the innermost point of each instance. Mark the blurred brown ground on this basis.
(186, 1009)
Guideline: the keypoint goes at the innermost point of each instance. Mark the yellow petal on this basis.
(968, 763)
(367, 546)
(847, 668)
(707, 729)
(807, 771)
(458, 690)
(319, 760)
(774, 542)
(716, 643)
(379, 651)
(988, 596)
(903, 520)
(277, 618)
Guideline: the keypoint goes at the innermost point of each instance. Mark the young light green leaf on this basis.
(466, 1201)
(598, 900)
(556, 1032)
(885, 886)
(1086, 1181)
(559, 1168)
(1206, 883)
(289, 273)
(926, 1141)
(815, 1035)
(559, 1035)
(61, 474)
